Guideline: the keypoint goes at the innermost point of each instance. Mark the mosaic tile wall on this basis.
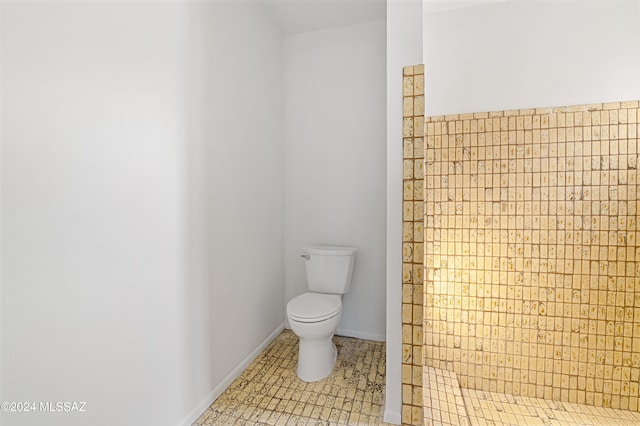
(532, 252)
(412, 250)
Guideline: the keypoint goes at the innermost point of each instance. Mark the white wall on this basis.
(334, 114)
(141, 205)
(404, 47)
(527, 54)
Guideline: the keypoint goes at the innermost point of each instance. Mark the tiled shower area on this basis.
(521, 264)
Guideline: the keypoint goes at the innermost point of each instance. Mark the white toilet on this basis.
(314, 316)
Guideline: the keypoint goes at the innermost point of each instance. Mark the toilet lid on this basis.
(314, 307)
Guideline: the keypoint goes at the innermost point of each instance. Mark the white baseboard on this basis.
(361, 334)
(217, 391)
(392, 417)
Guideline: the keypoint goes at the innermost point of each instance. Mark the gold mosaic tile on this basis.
(443, 402)
(447, 404)
(492, 408)
(412, 248)
(268, 392)
(532, 253)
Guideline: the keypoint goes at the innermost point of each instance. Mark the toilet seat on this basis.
(314, 307)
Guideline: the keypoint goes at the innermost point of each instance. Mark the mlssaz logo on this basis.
(66, 407)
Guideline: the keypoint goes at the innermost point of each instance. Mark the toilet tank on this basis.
(329, 268)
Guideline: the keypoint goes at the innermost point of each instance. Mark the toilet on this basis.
(314, 315)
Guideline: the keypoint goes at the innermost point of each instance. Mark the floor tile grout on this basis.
(481, 408)
(268, 392)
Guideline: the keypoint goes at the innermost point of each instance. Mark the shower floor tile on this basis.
(492, 408)
(481, 408)
(268, 392)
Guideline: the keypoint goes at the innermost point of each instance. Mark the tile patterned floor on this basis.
(268, 392)
(447, 404)
(492, 408)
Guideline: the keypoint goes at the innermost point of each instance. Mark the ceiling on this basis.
(298, 16)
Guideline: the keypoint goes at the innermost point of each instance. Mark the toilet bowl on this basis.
(314, 316)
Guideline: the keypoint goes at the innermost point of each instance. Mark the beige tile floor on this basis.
(447, 404)
(492, 408)
(268, 392)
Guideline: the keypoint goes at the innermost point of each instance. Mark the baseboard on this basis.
(392, 417)
(360, 334)
(217, 391)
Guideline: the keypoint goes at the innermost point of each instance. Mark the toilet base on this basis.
(316, 359)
